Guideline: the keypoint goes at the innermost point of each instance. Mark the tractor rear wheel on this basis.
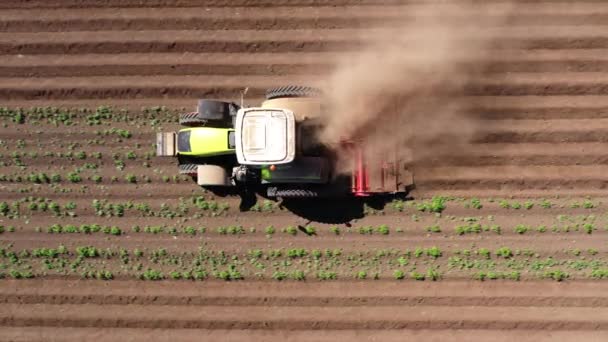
(191, 119)
(296, 193)
(188, 169)
(292, 91)
(210, 113)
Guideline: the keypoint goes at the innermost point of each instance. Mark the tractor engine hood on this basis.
(265, 136)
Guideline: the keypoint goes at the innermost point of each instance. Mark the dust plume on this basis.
(405, 89)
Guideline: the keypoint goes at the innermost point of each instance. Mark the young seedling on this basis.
(433, 229)
(291, 230)
(310, 230)
(383, 229)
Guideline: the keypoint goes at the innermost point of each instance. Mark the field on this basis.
(99, 238)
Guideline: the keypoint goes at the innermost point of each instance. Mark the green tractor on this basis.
(274, 149)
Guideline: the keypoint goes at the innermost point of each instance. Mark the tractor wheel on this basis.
(210, 113)
(212, 175)
(188, 169)
(292, 91)
(191, 120)
(296, 193)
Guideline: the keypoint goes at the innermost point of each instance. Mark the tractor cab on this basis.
(265, 136)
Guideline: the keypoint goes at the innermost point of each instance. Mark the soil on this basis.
(543, 108)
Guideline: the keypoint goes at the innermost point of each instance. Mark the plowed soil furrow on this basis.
(313, 58)
(300, 35)
(202, 300)
(538, 107)
(191, 70)
(563, 160)
(123, 88)
(414, 9)
(138, 334)
(507, 172)
(539, 289)
(252, 46)
(183, 69)
(272, 23)
(17, 4)
(554, 186)
(270, 318)
(575, 37)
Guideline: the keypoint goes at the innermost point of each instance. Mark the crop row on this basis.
(295, 263)
(103, 208)
(271, 230)
(88, 116)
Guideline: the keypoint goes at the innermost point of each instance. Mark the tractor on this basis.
(274, 150)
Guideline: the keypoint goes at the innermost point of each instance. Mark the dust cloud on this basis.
(404, 90)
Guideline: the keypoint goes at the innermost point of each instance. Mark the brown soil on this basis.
(270, 311)
(543, 110)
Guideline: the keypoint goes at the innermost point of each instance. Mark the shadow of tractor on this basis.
(336, 211)
(331, 210)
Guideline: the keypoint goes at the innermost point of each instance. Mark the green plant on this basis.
(291, 230)
(398, 274)
(269, 230)
(433, 274)
(115, 231)
(279, 275)
(310, 230)
(4, 208)
(417, 276)
(546, 204)
(151, 274)
(236, 230)
(296, 253)
(335, 230)
(521, 229)
(599, 273)
(556, 275)
(361, 275)
(589, 228)
(131, 178)
(504, 252)
(433, 252)
(469, 228)
(74, 177)
(366, 230)
(326, 275)
(475, 203)
(436, 205)
(484, 252)
(398, 205)
(587, 204)
(297, 275)
(230, 274)
(383, 229)
(433, 229)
